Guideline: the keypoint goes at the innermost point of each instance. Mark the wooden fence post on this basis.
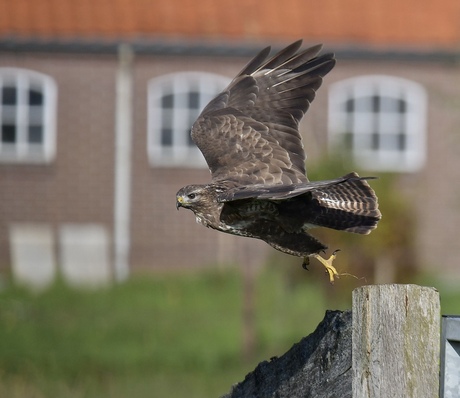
(396, 341)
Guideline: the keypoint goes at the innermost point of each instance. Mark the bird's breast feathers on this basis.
(238, 216)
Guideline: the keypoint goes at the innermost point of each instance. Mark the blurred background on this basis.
(105, 289)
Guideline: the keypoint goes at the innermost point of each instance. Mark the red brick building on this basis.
(76, 103)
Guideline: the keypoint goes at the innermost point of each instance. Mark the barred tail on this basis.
(350, 205)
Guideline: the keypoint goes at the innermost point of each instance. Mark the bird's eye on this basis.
(191, 196)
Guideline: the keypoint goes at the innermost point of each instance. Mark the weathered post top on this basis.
(395, 343)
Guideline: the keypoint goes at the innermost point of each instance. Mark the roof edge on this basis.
(147, 46)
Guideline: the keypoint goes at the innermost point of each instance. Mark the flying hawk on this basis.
(249, 137)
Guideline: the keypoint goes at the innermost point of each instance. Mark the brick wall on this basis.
(78, 186)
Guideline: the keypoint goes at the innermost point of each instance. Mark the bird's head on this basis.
(192, 197)
(203, 201)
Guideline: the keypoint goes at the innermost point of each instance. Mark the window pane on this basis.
(9, 114)
(193, 100)
(174, 104)
(27, 116)
(8, 133)
(35, 134)
(36, 115)
(35, 97)
(364, 122)
(388, 105)
(390, 142)
(167, 101)
(167, 119)
(9, 95)
(166, 137)
(402, 141)
(402, 106)
(375, 141)
(363, 104)
(350, 105)
(375, 103)
(382, 118)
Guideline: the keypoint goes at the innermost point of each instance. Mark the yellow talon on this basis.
(330, 269)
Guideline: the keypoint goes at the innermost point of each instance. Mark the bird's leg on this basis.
(305, 263)
(330, 269)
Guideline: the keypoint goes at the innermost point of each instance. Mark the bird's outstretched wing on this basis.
(282, 192)
(249, 133)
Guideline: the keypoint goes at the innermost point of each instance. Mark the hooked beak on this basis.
(179, 202)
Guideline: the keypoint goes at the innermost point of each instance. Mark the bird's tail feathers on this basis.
(350, 205)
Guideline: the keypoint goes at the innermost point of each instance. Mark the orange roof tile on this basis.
(387, 22)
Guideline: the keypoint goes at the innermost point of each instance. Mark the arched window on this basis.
(27, 116)
(174, 103)
(380, 120)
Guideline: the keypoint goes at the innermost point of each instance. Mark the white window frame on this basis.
(365, 124)
(181, 152)
(23, 151)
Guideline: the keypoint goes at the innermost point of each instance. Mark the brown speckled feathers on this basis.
(249, 133)
(250, 139)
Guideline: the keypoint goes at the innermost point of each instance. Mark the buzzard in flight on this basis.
(249, 137)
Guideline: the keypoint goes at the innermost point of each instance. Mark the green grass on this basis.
(162, 336)
(157, 336)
